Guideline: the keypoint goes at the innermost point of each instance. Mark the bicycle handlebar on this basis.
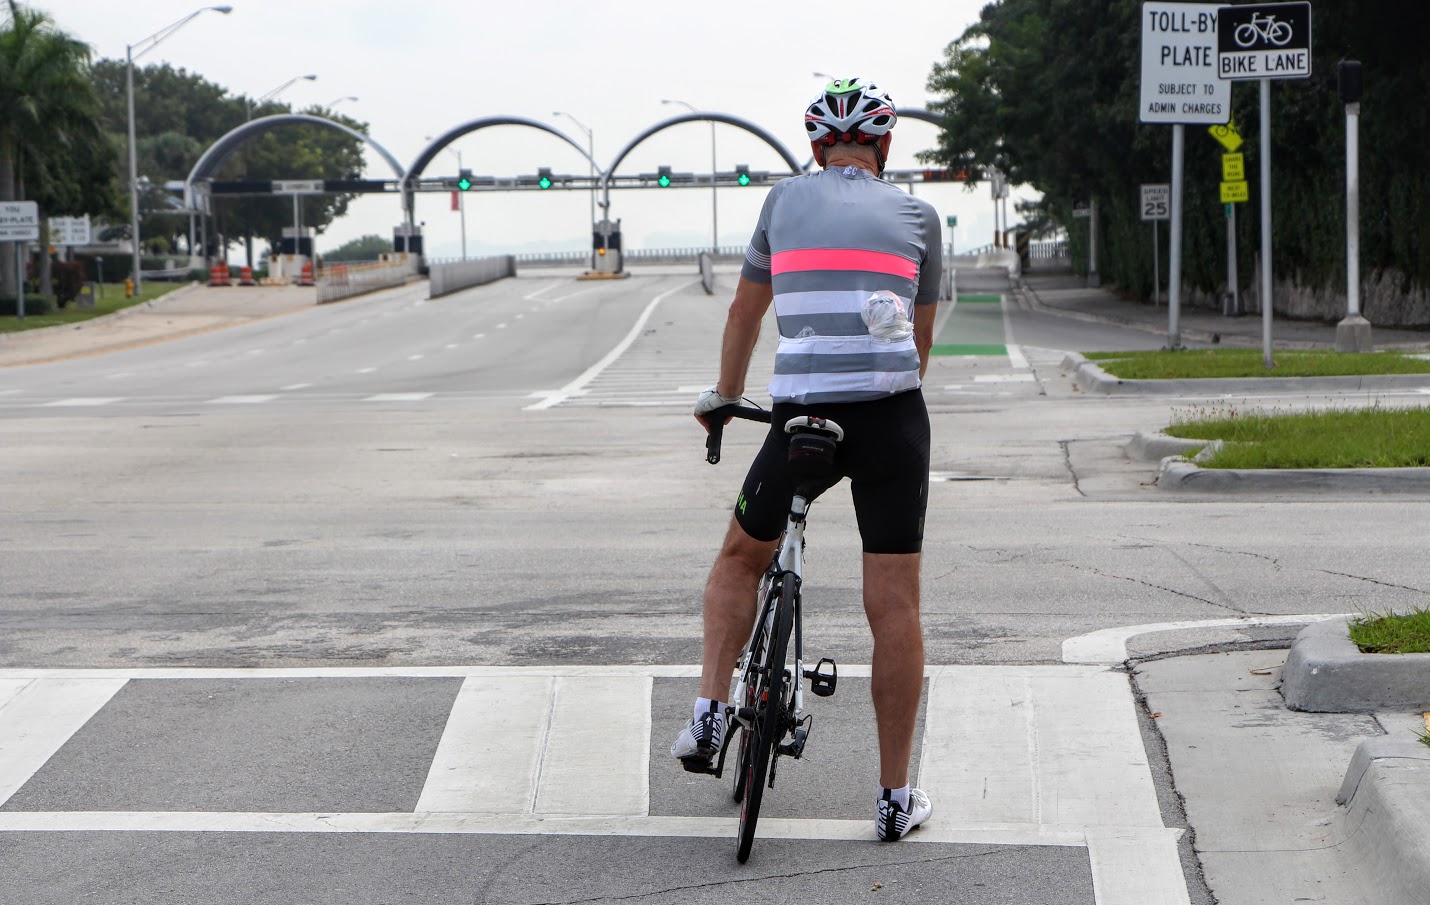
(715, 421)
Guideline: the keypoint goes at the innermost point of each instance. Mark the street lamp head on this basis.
(222, 9)
(310, 78)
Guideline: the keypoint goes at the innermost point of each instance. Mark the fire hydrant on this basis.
(129, 287)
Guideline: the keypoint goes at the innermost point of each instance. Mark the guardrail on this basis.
(724, 254)
(340, 281)
(453, 276)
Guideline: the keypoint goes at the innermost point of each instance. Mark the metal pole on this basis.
(714, 205)
(591, 165)
(1352, 210)
(1093, 280)
(133, 167)
(462, 208)
(1156, 266)
(1266, 304)
(1233, 292)
(1174, 263)
(20, 280)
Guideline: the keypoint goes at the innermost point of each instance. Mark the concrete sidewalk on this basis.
(1067, 294)
(187, 311)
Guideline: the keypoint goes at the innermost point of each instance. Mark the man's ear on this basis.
(884, 141)
(818, 150)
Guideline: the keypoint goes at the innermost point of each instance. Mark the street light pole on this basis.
(714, 203)
(279, 90)
(334, 103)
(461, 196)
(130, 56)
(591, 153)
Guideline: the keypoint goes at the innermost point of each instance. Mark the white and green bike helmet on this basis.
(850, 110)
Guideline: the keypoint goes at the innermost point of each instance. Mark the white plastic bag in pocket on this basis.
(884, 315)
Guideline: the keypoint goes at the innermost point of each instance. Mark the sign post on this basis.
(19, 223)
(1156, 206)
(1180, 86)
(1264, 42)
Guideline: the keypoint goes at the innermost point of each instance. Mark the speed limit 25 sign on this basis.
(1156, 202)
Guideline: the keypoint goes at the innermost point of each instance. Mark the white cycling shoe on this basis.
(893, 822)
(699, 742)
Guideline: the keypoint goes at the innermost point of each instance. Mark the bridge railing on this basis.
(340, 281)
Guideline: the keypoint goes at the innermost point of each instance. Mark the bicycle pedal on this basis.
(823, 682)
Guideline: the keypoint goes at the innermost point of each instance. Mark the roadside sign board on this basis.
(1179, 76)
(1081, 209)
(70, 230)
(1233, 168)
(298, 187)
(952, 220)
(1266, 41)
(1234, 192)
(19, 221)
(1227, 136)
(1157, 202)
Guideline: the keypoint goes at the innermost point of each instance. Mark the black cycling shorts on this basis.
(884, 454)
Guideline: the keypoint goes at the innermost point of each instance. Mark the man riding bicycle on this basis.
(852, 265)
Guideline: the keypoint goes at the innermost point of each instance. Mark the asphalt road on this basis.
(509, 479)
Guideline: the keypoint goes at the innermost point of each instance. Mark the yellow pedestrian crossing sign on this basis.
(1227, 135)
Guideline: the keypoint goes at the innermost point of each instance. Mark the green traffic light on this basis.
(464, 183)
(663, 181)
(544, 182)
(744, 179)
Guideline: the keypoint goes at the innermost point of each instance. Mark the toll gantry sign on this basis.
(1267, 41)
(1179, 69)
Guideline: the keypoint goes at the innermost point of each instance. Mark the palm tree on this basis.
(48, 108)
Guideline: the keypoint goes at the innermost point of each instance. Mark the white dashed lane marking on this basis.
(77, 401)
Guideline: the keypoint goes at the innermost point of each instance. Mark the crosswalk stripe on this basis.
(597, 755)
(397, 397)
(38, 716)
(1055, 745)
(242, 400)
(82, 401)
(486, 761)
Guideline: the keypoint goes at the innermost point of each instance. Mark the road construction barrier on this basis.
(245, 277)
(218, 274)
(305, 278)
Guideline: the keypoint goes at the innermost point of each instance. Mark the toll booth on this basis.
(295, 249)
(606, 243)
(407, 239)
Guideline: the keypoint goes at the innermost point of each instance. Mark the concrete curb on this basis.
(1179, 474)
(1154, 446)
(1327, 673)
(22, 335)
(1094, 379)
(1386, 823)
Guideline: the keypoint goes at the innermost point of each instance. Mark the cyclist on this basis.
(824, 247)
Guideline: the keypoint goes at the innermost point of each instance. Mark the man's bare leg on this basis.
(891, 602)
(730, 607)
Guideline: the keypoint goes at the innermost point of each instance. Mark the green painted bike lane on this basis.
(974, 327)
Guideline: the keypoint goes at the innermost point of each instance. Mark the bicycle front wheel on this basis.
(769, 722)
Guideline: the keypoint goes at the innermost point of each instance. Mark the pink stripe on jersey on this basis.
(843, 259)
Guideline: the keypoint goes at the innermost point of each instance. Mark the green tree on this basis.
(179, 115)
(48, 122)
(363, 248)
(1047, 91)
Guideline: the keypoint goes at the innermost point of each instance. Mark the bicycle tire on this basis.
(768, 723)
(757, 653)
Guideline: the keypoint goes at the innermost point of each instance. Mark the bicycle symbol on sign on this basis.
(1263, 28)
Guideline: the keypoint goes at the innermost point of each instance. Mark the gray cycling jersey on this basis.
(826, 241)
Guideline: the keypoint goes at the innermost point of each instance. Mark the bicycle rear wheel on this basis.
(758, 643)
(769, 722)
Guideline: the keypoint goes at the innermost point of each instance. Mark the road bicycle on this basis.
(1263, 28)
(767, 705)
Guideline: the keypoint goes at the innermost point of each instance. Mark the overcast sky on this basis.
(420, 68)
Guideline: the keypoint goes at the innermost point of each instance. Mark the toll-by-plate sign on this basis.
(1267, 41)
(1179, 75)
(19, 221)
(1157, 202)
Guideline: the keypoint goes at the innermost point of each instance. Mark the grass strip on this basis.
(1407, 633)
(1374, 437)
(1194, 363)
(112, 301)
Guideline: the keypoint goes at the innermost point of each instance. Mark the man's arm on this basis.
(924, 316)
(742, 329)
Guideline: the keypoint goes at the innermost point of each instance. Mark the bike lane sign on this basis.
(1265, 41)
